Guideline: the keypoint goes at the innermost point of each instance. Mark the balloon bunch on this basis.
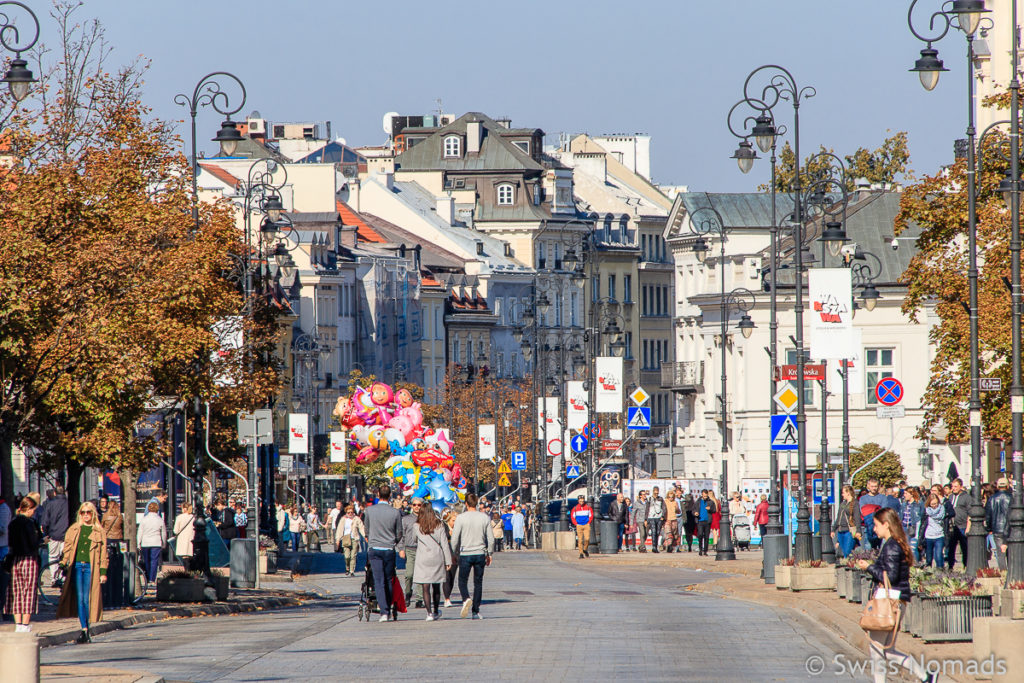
(382, 420)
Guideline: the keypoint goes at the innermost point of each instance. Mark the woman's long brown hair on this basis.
(889, 517)
(427, 519)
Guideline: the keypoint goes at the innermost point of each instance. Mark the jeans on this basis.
(654, 529)
(151, 560)
(620, 530)
(477, 562)
(83, 583)
(764, 531)
(295, 541)
(998, 541)
(957, 537)
(508, 538)
(382, 564)
(56, 550)
(845, 541)
(703, 532)
(933, 551)
(519, 542)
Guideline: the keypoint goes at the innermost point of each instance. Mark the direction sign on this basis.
(639, 396)
(784, 433)
(503, 480)
(611, 444)
(990, 383)
(572, 470)
(891, 412)
(518, 460)
(592, 430)
(889, 391)
(788, 372)
(787, 398)
(503, 468)
(579, 443)
(638, 417)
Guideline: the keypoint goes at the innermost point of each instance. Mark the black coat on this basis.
(997, 513)
(24, 537)
(891, 561)
(618, 512)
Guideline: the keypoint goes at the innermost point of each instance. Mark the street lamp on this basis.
(19, 78)
(744, 156)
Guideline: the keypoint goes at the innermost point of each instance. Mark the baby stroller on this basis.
(368, 605)
(741, 531)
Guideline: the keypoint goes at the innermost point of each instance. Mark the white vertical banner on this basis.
(486, 440)
(338, 446)
(608, 391)
(547, 416)
(831, 294)
(298, 433)
(552, 427)
(577, 408)
(855, 368)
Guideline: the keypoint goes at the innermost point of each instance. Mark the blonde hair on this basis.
(87, 506)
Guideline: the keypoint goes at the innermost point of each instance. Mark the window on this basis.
(878, 365)
(629, 345)
(808, 384)
(643, 247)
(452, 146)
(643, 305)
(506, 193)
(627, 288)
(595, 288)
(574, 303)
(646, 358)
(664, 301)
(523, 145)
(611, 287)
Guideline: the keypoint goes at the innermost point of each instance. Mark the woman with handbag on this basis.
(184, 535)
(891, 593)
(433, 559)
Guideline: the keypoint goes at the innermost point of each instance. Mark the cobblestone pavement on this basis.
(543, 620)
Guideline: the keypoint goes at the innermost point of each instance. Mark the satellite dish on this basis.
(340, 140)
(386, 121)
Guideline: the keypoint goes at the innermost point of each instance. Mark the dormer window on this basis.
(523, 145)
(452, 146)
(506, 194)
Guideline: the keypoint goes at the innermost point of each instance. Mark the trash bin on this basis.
(609, 537)
(243, 562)
(113, 590)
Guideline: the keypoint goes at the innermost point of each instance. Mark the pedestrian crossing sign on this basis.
(784, 433)
(503, 481)
(572, 470)
(638, 417)
(503, 468)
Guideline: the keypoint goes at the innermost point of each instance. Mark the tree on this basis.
(888, 163)
(888, 469)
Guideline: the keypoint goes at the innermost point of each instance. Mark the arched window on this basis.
(453, 146)
(506, 194)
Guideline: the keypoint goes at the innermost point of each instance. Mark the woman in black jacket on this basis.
(895, 558)
(25, 537)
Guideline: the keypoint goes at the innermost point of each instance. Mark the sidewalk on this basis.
(744, 583)
(92, 674)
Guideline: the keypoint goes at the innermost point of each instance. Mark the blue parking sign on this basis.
(518, 460)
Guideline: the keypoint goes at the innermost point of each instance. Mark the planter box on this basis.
(866, 582)
(812, 579)
(1011, 603)
(783, 574)
(951, 619)
(908, 615)
(267, 562)
(841, 581)
(180, 589)
(989, 585)
(853, 583)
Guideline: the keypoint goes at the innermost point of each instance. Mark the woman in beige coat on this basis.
(85, 560)
(184, 533)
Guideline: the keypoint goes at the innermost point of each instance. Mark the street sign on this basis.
(592, 430)
(503, 468)
(572, 470)
(784, 433)
(990, 383)
(831, 491)
(518, 460)
(256, 427)
(639, 396)
(611, 444)
(579, 443)
(788, 372)
(503, 480)
(891, 412)
(286, 463)
(889, 391)
(328, 477)
(787, 398)
(638, 417)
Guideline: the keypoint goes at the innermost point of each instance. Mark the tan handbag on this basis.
(882, 614)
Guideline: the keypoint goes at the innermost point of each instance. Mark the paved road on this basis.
(543, 620)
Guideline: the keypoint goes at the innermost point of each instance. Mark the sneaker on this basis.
(83, 637)
(437, 615)
(447, 603)
(384, 617)
(476, 615)
(430, 617)
(19, 628)
(466, 604)
(581, 556)
(586, 553)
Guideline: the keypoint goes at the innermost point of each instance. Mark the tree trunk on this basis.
(7, 467)
(74, 484)
(128, 504)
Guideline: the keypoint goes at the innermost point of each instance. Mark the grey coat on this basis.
(433, 554)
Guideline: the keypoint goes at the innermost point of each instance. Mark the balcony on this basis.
(717, 407)
(686, 377)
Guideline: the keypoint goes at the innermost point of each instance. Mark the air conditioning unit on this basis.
(257, 127)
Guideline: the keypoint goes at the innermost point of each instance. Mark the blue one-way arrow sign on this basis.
(578, 443)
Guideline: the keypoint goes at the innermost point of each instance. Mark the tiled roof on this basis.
(220, 174)
(363, 231)
(432, 255)
(496, 152)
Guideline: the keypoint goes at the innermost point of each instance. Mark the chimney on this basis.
(446, 209)
(389, 180)
(474, 136)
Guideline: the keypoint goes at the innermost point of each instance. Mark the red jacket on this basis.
(581, 515)
(761, 513)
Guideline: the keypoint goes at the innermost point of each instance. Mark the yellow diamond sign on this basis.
(639, 396)
(787, 398)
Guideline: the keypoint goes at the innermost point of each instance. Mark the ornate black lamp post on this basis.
(19, 78)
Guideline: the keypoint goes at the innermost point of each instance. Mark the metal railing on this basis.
(684, 376)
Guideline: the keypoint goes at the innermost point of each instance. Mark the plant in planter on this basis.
(812, 575)
(784, 572)
(182, 586)
(988, 581)
(949, 604)
(1011, 601)
(267, 560)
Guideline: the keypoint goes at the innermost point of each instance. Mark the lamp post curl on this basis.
(19, 77)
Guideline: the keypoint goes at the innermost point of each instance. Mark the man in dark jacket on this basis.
(957, 506)
(55, 525)
(618, 512)
(997, 518)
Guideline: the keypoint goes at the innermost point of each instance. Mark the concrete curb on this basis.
(70, 634)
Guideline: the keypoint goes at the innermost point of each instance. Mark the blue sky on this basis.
(669, 68)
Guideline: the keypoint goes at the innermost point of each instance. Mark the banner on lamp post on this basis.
(608, 390)
(854, 366)
(486, 440)
(338, 446)
(298, 433)
(579, 415)
(547, 417)
(831, 294)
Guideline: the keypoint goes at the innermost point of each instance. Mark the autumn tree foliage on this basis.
(888, 163)
(888, 469)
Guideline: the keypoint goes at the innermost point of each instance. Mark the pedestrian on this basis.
(618, 512)
(761, 516)
(473, 540)
(910, 517)
(448, 518)
(869, 503)
(630, 532)
(21, 561)
(518, 527)
(296, 527)
(846, 526)
(184, 534)
(54, 523)
(112, 520)
(332, 521)
(640, 519)
(411, 545)
(506, 528)
(934, 531)
(498, 529)
(226, 522)
(891, 568)
(672, 513)
(350, 533)
(433, 558)
(280, 516)
(150, 538)
(716, 518)
(997, 519)
(690, 521)
(241, 520)
(159, 497)
(384, 537)
(655, 518)
(581, 517)
(736, 506)
(705, 509)
(957, 505)
(85, 556)
(313, 529)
